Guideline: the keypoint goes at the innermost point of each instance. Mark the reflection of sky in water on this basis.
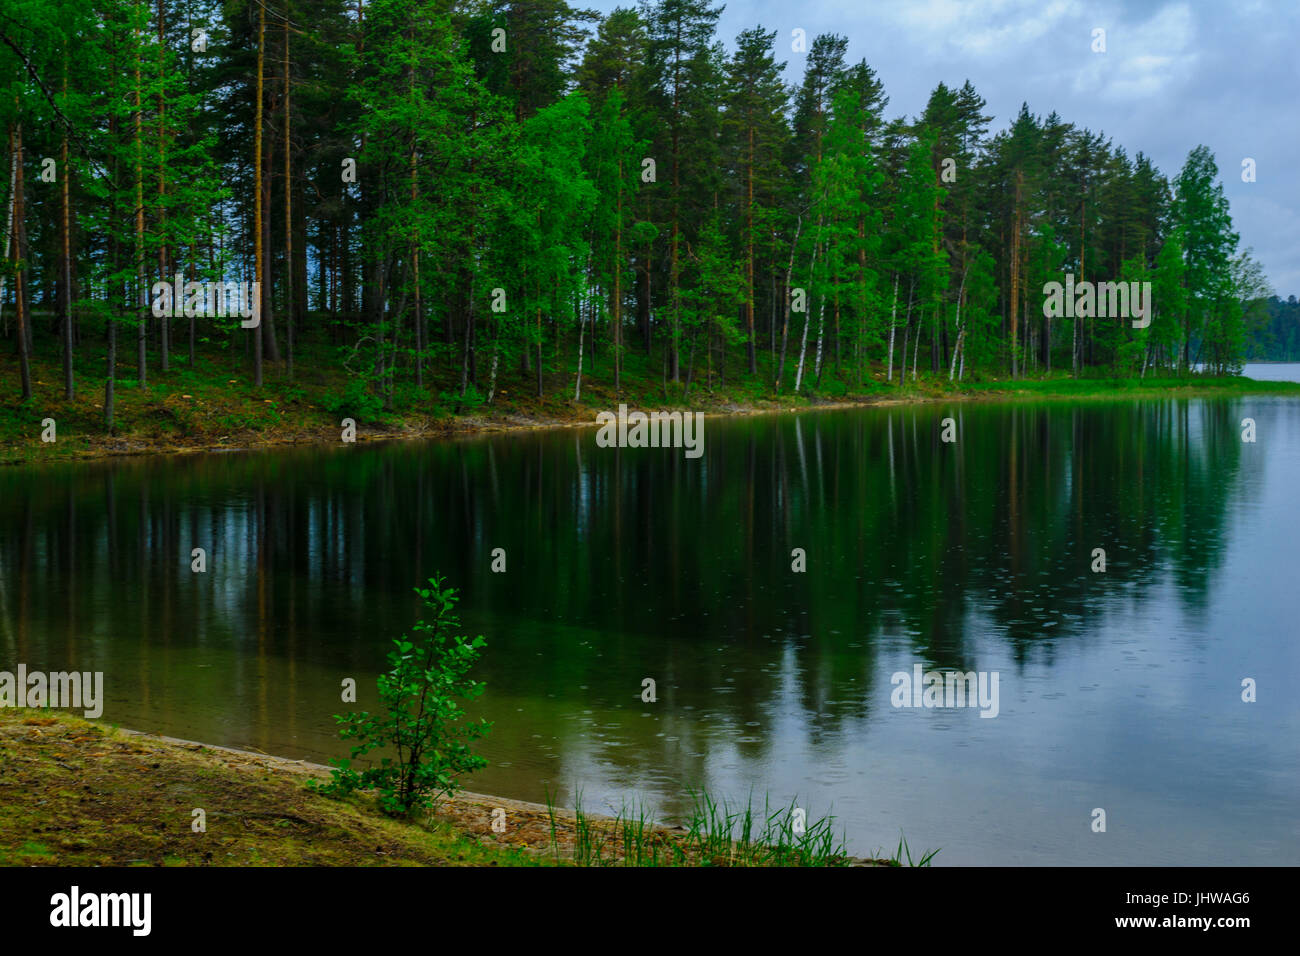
(1120, 692)
(1272, 371)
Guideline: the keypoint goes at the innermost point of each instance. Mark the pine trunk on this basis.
(257, 199)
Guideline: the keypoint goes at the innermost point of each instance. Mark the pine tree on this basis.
(755, 128)
(681, 76)
(1201, 212)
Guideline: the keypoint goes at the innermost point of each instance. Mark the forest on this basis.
(1277, 338)
(440, 202)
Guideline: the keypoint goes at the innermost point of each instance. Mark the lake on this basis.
(1118, 689)
(1272, 371)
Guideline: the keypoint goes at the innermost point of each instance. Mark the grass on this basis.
(75, 792)
(214, 405)
(715, 834)
(79, 793)
(904, 851)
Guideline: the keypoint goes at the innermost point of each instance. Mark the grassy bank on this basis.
(214, 406)
(81, 793)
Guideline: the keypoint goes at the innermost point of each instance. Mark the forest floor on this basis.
(213, 406)
(76, 792)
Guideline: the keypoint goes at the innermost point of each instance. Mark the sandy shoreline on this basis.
(135, 792)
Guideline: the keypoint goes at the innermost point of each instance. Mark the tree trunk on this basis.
(803, 345)
(749, 260)
(288, 206)
(20, 300)
(115, 261)
(258, 251)
(916, 345)
(164, 328)
(907, 330)
(142, 293)
(492, 375)
(271, 341)
(1083, 274)
(821, 327)
(9, 214)
(785, 322)
(69, 385)
(467, 354)
(1015, 277)
(539, 348)
(961, 332)
(618, 285)
(577, 388)
(893, 323)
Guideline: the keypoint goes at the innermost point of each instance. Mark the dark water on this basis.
(1118, 690)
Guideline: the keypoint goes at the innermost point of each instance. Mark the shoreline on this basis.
(582, 415)
(79, 792)
(308, 768)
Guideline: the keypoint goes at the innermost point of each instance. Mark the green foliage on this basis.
(1169, 295)
(1276, 334)
(421, 732)
(521, 171)
(357, 401)
(468, 400)
(979, 314)
(904, 852)
(715, 834)
(1213, 315)
(711, 302)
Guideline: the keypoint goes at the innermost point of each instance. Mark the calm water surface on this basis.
(1273, 371)
(1119, 690)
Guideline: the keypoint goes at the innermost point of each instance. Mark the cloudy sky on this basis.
(1174, 74)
